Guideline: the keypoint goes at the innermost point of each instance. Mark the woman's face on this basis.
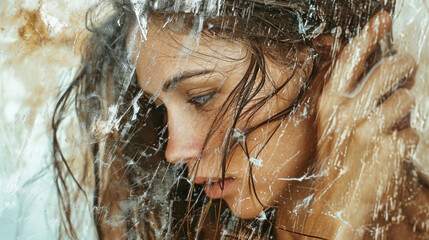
(193, 80)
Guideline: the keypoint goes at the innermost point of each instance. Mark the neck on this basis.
(291, 214)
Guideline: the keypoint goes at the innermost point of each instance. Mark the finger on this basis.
(415, 197)
(392, 113)
(382, 162)
(391, 151)
(389, 75)
(351, 61)
(400, 71)
(395, 145)
(403, 142)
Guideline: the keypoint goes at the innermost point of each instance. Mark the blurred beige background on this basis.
(39, 53)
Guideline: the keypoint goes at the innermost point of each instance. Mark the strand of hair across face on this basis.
(257, 198)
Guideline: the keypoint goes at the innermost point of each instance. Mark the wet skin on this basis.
(354, 128)
(208, 75)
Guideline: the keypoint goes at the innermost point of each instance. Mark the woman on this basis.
(268, 107)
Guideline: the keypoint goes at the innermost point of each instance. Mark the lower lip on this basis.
(214, 191)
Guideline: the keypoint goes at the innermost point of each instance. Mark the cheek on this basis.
(293, 147)
(288, 154)
(196, 120)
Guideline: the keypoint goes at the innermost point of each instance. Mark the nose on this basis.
(184, 141)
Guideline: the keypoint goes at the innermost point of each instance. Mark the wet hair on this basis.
(122, 169)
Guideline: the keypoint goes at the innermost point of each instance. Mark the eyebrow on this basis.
(176, 79)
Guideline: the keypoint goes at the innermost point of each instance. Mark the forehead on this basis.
(167, 53)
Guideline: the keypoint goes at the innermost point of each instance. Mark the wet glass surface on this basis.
(214, 119)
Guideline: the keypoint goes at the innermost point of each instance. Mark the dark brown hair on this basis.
(125, 131)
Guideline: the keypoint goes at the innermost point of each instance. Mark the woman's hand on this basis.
(364, 136)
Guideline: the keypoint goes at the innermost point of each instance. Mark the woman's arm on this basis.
(364, 136)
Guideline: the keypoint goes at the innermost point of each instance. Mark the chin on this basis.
(245, 209)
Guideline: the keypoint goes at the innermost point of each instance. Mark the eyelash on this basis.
(201, 100)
